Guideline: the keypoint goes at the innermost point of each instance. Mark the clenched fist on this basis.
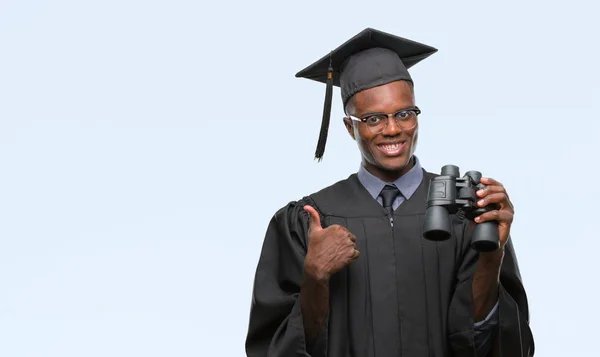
(329, 249)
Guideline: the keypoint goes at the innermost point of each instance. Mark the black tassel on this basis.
(326, 115)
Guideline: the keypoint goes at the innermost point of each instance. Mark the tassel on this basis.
(326, 114)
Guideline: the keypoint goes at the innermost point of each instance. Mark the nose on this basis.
(392, 128)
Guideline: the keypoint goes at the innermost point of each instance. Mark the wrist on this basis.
(492, 258)
(314, 274)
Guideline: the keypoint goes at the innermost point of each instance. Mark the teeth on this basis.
(390, 147)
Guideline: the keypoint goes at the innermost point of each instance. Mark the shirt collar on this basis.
(407, 183)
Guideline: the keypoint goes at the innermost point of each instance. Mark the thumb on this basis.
(315, 220)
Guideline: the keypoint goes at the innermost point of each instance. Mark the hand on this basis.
(494, 193)
(329, 249)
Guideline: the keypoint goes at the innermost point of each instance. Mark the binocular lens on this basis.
(437, 224)
(485, 237)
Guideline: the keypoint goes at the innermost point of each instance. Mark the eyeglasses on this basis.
(406, 119)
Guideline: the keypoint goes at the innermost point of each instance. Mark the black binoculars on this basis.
(447, 194)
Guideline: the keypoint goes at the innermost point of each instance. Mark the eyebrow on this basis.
(380, 113)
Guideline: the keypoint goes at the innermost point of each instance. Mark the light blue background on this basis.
(127, 129)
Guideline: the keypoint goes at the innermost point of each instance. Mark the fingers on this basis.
(314, 219)
(496, 215)
(490, 189)
(343, 230)
(490, 181)
(355, 254)
(352, 237)
(500, 198)
(491, 186)
(494, 194)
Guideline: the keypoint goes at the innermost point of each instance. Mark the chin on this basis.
(394, 164)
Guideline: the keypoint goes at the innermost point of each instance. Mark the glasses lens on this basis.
(405, 120)
(376, 123)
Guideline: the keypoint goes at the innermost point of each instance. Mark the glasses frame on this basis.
(415, 109)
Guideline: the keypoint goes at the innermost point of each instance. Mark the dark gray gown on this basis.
(405, 296)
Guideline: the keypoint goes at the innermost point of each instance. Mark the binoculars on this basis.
(447, 194)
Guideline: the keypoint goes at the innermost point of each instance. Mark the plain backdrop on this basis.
(145, 145)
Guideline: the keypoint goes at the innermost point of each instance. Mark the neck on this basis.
(389, 175)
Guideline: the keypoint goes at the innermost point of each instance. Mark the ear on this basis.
(349, 127)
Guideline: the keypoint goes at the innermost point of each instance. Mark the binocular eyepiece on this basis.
(447, 194)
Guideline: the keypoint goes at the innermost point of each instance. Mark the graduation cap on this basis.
(369, 59)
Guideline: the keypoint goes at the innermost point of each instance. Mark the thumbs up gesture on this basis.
(329, 249)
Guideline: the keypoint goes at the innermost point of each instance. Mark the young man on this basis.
(346, 271)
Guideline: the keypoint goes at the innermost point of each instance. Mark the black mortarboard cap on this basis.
(369, 59)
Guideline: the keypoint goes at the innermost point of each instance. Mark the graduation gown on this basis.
(404, 296)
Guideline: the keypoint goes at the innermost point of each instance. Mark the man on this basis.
(346, 271)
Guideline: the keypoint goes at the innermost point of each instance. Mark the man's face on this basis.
(387, 154)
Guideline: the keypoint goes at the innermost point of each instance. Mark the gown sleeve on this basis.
(276, 328)
(508, 333)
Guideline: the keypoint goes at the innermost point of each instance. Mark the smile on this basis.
(392, 149)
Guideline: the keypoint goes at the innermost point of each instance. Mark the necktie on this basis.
(388, 196)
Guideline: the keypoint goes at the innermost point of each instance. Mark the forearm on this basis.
(314, 302)
(485, 283)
